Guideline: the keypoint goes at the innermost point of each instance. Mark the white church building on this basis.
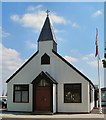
(49, 83)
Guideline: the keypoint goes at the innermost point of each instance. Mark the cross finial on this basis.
(47, 12)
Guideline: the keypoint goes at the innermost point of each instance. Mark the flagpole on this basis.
(98, 60)
(99, 83)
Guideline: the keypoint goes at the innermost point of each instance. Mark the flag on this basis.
(96, 43)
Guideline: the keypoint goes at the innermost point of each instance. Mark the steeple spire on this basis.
(46, 32)
(47, 36)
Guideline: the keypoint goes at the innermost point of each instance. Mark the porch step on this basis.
(42, 113)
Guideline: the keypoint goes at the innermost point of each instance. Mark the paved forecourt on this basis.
(57, 116)
(5, 115)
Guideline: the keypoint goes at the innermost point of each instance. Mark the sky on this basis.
(74, 25)
(53, 0)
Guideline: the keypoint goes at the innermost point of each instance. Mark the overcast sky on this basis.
(74, 26)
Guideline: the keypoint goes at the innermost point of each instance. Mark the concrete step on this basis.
(41, 113)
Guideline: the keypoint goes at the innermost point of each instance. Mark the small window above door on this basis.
(43, 83)
(45, 59)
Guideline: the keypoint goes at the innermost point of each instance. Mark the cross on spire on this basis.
(47, 12)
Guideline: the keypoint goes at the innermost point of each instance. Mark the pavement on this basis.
(53, 119)
(99, 116)
(94, 115)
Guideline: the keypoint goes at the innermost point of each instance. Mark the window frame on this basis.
(45, 59)
(21, 91)
(72, 84)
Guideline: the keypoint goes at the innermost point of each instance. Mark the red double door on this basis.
(43, 99)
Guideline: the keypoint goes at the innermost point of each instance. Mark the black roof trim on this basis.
(73, 67)
(51, 78)
(22, 66)
(42, 75)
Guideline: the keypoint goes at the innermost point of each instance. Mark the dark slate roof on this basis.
(44, 75)
(46, 32)
(73, 67)
(22, 66)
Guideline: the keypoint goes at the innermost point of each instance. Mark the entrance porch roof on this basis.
(44, 75)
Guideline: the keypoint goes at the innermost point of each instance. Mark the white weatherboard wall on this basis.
(65, 74)
(72, 107)
(25, 76)
(54, 98)
(92, 103)
(45, 46)
(60, 71)
(18, 106)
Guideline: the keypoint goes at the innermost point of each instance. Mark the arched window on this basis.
(45, 59)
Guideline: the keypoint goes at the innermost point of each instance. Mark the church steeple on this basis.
(47, 33)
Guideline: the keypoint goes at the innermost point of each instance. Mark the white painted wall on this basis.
(92, 103)
(72, 107)
(18, 106)
(54, 98)
(60, 71)
(45, 46)
(66, 74)
(26, 76)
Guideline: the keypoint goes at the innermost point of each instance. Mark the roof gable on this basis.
(70, 65)
(44, 75)
(22, 66)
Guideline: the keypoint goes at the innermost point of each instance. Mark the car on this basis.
(4, 103)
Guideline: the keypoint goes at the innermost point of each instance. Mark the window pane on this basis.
(72, 93)
(76, 97)
(17, 87)
(45, 59)
(24, 96)
(17, 96)
(68, 97)
(24, 87)
(43, 83)
(21, 93)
